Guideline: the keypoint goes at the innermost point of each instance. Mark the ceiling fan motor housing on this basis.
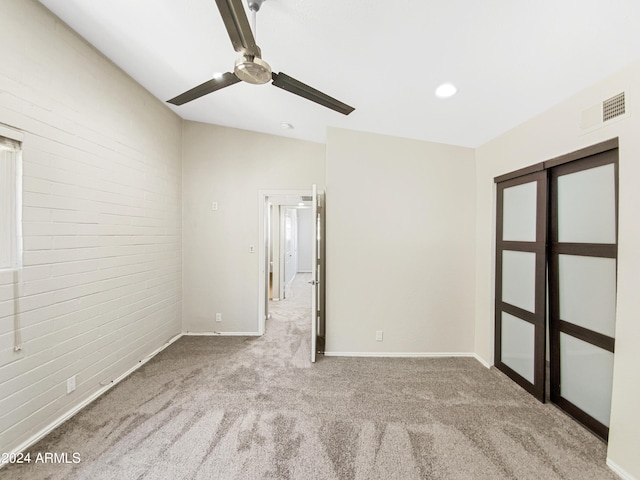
(252, 70)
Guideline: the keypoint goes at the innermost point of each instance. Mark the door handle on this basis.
(314, 282)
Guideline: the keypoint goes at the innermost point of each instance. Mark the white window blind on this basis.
(10, 242)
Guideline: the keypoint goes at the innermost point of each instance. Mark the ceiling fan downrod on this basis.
(254, 7)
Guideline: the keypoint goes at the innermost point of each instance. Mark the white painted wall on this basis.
(102, 221)
(552, 134)
(305, 239)
(230, 166)
(400, 244)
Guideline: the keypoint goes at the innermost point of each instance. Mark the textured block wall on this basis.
(101, 283)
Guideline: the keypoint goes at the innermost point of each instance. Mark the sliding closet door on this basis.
(582, 286)
(521, 280)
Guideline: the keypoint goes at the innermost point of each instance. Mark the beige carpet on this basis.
(255, 408)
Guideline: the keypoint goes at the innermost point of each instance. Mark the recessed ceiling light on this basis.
(218, 75)
(286, 126)
(446, 90)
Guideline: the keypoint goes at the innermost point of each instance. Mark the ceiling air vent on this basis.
(613, 107)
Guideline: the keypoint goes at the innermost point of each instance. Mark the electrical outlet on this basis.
(218, 317)
(214, 206)
(71, 384)
(378, 335)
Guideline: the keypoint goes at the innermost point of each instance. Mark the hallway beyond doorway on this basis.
(289, 321)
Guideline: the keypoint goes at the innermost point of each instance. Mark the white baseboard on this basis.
(482, 360)
(409, 355)
(70, 413)
(619, 470)
(221, 334)
(400, 354)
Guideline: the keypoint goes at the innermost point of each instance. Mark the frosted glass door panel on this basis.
(518, 341)
(586, 376)
(587, 206)
(588, 292)
(519, 279)
(519, 213)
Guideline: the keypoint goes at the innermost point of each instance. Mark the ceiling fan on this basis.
(250, 67)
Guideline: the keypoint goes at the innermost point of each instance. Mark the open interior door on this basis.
(317, 271)
(314, 275)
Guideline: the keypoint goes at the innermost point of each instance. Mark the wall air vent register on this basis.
(598, 115)
(613, 107)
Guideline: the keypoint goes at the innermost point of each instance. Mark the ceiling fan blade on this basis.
(238, 28)
(294, 86)
(209, 86)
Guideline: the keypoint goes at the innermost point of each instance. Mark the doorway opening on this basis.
(288, 245)
(290, 252)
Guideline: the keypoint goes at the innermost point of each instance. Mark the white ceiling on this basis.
(510, 59)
